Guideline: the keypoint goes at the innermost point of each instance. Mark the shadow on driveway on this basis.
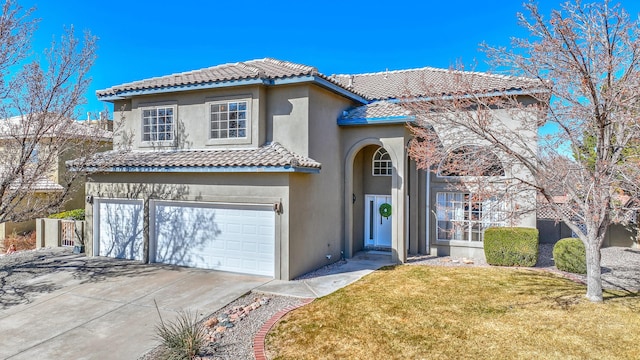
(30, 274)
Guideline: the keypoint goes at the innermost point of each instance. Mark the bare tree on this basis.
(38, 97)
(578, 71)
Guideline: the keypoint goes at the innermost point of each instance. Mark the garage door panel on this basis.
(120, 229)
(227, 240)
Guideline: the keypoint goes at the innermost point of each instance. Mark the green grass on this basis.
(420, 312)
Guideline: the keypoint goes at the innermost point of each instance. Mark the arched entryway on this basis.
(374, 200)
(372, 205)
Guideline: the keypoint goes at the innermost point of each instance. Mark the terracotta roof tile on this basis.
(270, 155)
(30, 181)
(425, 81)
(429, 81)
(255, 69)
(378, 109)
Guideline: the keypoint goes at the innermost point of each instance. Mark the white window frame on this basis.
(159, 140)
(228, 114)
(383, 167)
(459, 218)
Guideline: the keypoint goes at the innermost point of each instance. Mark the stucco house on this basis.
(35, 140)
(272, 168)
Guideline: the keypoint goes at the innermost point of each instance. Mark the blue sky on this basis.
(142, 39)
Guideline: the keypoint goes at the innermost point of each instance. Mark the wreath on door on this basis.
(385, 210)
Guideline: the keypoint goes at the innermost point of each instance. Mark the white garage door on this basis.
(119, 229)
(238, 238)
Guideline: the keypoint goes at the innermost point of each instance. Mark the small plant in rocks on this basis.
(183, 338)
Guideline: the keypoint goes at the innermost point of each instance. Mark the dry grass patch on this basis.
(421, 312)
(22, 242)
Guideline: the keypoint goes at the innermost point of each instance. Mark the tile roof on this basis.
(51, 125)
(44, 184)
(378, 109)
(255, 69)
(425, 81)
(429, 81)
(270, 155)
(31, 181)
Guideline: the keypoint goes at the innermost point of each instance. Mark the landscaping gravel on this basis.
(237, 342)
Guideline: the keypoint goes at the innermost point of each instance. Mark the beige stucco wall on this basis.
(191, 118)
(289, 117)
(317, 199)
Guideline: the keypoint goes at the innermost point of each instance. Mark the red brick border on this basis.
(258, 340)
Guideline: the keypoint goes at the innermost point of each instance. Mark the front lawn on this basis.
(423, 312)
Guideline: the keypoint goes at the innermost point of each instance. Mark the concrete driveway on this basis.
(95, 308)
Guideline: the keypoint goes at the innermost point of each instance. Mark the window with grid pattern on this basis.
(461, 217)
(158, 124)
(382, 165)
(229, 120)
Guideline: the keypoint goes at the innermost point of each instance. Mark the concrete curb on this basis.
(258, 340)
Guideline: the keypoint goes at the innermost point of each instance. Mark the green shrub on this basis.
(75, 214)
(569, 255)
(182, 338)
(511, 246)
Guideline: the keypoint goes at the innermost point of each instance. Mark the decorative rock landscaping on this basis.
(228, 319)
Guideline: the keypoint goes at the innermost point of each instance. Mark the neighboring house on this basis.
(272, 168)
(44, 176)
(552, 230)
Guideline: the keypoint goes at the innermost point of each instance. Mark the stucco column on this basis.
(396, 149)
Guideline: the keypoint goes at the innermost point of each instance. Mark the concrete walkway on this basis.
(337, 277)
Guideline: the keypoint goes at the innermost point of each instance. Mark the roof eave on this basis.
(202, 169)
(387, 120)
(126, 94)
(320, 81)
(507, 92)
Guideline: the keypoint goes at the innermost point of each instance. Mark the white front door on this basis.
(377, 226)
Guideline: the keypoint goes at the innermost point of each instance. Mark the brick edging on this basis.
(258, 340)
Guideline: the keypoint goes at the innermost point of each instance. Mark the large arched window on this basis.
(471, 160)
(381, 165)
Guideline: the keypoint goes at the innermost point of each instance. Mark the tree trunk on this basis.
(594, 279)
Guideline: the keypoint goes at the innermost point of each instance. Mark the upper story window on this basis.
(229, 119)
(382, 165)
(471, 161)
(158, 123)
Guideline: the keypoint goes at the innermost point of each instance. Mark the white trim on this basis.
(246, 139)
(174, 123)
(378, 159)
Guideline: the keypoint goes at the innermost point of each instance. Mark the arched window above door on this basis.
(381, 165)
